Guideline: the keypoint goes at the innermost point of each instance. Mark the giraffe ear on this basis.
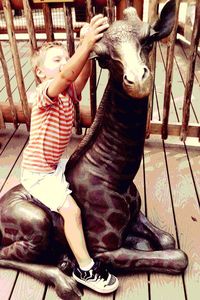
(164, 25)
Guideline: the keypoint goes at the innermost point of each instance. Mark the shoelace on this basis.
(101, 270)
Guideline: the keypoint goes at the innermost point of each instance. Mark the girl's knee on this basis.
(70, 208)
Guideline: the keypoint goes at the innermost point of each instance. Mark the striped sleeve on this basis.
(43, 101)
(72, 93)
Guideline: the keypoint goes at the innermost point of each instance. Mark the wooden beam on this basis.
(174, 129)
(85, 114)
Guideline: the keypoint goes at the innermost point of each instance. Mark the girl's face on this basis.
(55, 58)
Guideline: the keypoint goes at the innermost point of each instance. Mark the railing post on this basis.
(169, 72)
(48, 21)
(15, 54)
(93, 76)
(30, 29)
(8, 89)
(190, 72)
(71, 49)
(152, 16)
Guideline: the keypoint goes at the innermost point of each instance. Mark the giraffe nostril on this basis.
(127, 81)
(145, 73)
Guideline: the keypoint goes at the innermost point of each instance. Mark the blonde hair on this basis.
(38, 56)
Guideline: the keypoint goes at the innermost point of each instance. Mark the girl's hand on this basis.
(91, 32)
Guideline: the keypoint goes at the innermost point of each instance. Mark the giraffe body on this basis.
(100, 173)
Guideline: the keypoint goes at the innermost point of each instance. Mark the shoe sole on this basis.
(112, 289)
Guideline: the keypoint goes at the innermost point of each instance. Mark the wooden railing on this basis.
(21, 113)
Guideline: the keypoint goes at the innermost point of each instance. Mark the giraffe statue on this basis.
(100, 173)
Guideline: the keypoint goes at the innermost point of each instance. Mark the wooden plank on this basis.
(90, 295)
(5, 135)
(7, 280)
(7, 161)
(187, 214)
(194, 160)
(51, 294)
(27, 288)
(135, 286)
(160, 213)
(10, 153)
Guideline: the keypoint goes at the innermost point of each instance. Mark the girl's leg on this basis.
(74, 232)
(91, 274)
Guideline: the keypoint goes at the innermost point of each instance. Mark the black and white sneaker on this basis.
(97, 278)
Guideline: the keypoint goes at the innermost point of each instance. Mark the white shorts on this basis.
(49, 188)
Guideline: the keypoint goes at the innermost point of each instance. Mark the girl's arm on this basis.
(76, 63)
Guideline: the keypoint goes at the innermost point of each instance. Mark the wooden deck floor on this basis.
(169, 183)
(168, 180)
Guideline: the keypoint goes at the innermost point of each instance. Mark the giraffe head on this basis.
(125, 47)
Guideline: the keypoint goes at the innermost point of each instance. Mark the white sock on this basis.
(87, 267)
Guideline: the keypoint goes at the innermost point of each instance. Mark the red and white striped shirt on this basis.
(51, 129)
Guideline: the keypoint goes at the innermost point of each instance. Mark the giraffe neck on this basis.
(118, 147)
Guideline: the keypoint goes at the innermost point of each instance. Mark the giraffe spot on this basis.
(97, 225)
(117, 220)
(6, 241)
(37, 239)
(95, 180)
(12, 231)
(82, 190)
(98, 197)
(19, 253)
(120, 204)
(93, 243)
(122, 259)
(27, 229)
(133, 191)
(111, 240)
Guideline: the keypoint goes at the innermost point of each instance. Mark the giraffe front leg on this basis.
(158, 239)
(165, 261)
